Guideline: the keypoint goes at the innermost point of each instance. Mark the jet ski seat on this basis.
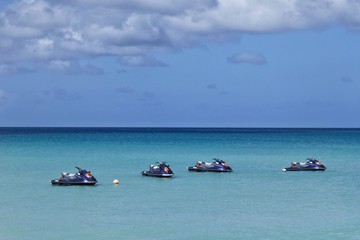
(69, 175)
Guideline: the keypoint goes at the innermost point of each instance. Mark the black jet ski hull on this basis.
(302, 169)
(150, 174)
(196, 169)
(83, 177)
(311, 165)
(160, 170)
(217, 166)
(65, 183)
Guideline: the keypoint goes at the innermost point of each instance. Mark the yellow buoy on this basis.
(116, 181)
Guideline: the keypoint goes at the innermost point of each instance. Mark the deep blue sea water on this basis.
(256, 201)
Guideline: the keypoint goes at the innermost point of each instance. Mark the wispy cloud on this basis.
(2, 96)
(70, 67)
(140, 61)
(6, 98)
(121, 71)
(246, 57)
(127, 90)
(148, 95)
(346, 80)
(60, 94)
(48, 30)
(12, 68)
(211, 86)
(149, 98)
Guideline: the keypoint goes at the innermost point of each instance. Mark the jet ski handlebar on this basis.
(218, 160)
(79, 169)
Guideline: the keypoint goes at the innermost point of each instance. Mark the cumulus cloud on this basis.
(250, 58)
(73, 30)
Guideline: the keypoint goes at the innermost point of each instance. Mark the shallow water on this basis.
(256, 201)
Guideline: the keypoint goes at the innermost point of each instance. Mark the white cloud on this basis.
(71, 35)
(43, 30)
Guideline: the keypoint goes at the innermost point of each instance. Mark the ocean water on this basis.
(256, 201)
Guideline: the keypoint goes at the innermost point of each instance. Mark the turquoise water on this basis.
(256, 201)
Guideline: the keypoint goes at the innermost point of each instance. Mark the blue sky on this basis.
(207, 63)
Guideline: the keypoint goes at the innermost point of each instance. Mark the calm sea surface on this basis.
(256, 201)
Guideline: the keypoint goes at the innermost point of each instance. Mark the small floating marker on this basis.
(116, 181)
(284, 170)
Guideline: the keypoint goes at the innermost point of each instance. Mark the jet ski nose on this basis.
(284, 170)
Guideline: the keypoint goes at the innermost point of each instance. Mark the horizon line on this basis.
(179, 127)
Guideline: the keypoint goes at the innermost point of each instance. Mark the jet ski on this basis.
(311, 165)
(83, 177)
(161, 169)
(217, 166)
